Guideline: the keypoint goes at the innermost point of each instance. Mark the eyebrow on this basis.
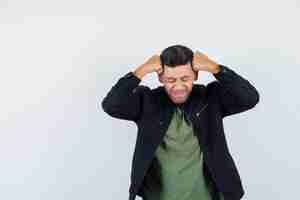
(179, 77)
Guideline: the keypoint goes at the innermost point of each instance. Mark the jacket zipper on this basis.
(148, 165)
(210, 170)
(202, 109)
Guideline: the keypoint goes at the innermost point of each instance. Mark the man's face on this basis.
(178, 82)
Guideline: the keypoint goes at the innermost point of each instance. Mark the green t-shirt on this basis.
(181, 161)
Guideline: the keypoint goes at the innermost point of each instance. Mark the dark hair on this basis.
(176, 55)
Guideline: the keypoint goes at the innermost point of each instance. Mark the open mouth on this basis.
(179, 94)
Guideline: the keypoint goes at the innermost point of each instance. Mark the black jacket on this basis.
(207, 105)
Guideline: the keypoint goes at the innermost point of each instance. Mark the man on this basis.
(181, 151)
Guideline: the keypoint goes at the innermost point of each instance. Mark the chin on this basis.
(179, 101)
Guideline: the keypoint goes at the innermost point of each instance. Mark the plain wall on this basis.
(58, 59)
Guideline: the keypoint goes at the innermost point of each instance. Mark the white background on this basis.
(58, 59)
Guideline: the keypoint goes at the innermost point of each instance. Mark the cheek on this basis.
(168, 86)
(187, 85)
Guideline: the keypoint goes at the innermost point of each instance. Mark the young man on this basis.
(181, 151)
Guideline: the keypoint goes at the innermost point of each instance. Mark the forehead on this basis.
(178, 71)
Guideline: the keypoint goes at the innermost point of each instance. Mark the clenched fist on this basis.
(151, 65)
(204, 63)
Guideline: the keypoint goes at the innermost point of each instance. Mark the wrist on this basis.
(215, 68)
(140, 72)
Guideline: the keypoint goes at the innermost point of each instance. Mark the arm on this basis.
(235, 93)
(124, 100)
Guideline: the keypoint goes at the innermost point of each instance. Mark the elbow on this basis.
(254, 98)
(111, 108)
(257, 97)
(105, 106)
(108, 109)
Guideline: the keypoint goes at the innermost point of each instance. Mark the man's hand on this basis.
(204, 63)
(151, 65)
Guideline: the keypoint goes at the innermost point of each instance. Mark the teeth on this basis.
(178, 93)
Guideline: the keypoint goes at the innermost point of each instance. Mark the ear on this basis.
(160, 78)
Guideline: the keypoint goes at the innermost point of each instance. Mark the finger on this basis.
(200, 53)
(159, 71)
(159, 74)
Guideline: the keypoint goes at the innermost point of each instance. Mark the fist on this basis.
(203, 62)
(153, 65)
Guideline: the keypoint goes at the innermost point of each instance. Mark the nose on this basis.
(179, 86)
(178, 81)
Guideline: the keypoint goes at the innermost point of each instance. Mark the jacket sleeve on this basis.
(124, 99)
(235, 94)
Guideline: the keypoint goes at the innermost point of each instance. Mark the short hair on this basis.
(176, 55)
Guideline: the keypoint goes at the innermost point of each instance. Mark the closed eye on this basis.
(184, 78)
